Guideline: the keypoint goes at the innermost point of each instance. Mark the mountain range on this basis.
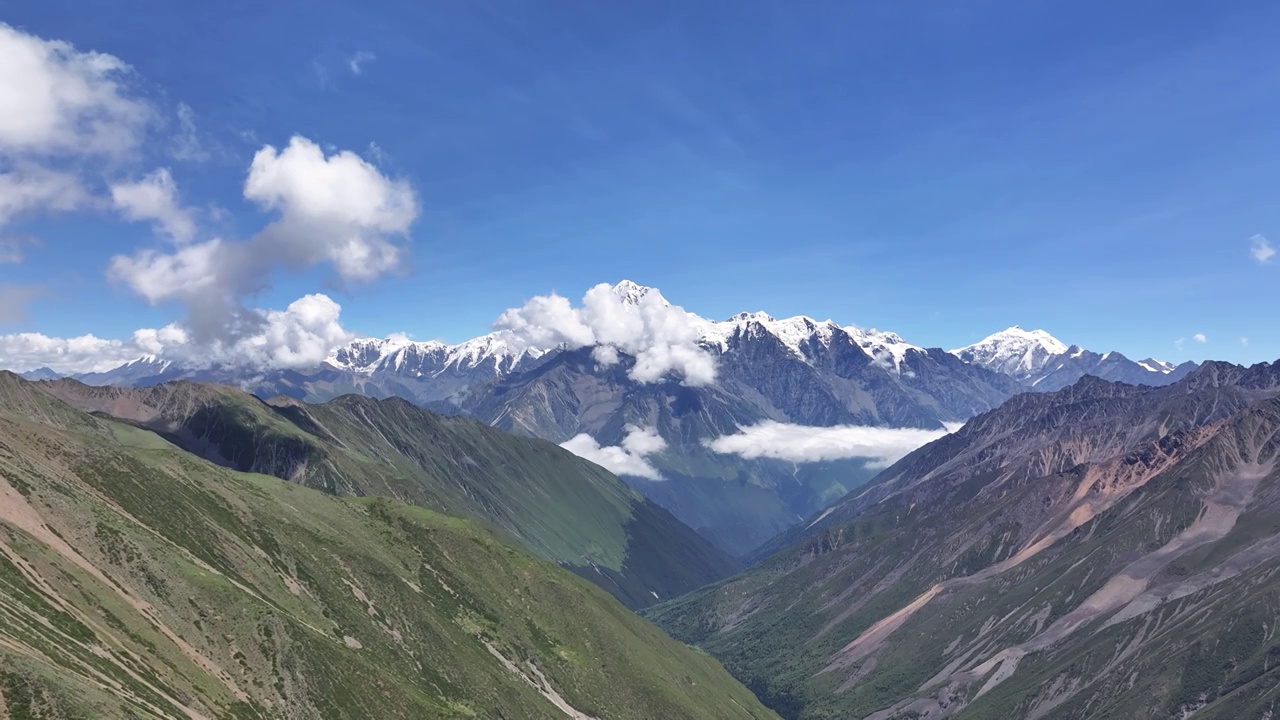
(797, 372)
(1104, 550)
(141, 580)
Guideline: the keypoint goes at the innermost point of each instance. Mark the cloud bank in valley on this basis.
(626, 459)
(662, 338)
(880, 447)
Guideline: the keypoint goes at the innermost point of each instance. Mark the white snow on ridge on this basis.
(793, 332)
(888, 349)
(1016, 352)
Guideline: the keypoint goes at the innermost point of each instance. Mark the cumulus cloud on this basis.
(356, 62)
(629, 458)
(58, 108)
(661, 337)
(1200, 338)
(27, 187)
(336, 209)
(155, 198)
(27, 351)
(302, 335)
(880, 447)
(1261, 249)
(56, 99)
(67, 114)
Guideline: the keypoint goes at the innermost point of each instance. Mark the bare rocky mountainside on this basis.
(1102, 551)
(139, 580)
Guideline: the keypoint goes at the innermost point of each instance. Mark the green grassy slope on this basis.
(559, 506)
(137, 580)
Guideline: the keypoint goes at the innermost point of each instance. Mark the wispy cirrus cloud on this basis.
(357, 61)
(1261, 249)
(12, 250)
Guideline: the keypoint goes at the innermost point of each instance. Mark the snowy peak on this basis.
(491, 354)
(632, 293)
(887, 349)
(1042, 362)
(363, 355)
(794, 332)
(1019, 353)
(1159, 366)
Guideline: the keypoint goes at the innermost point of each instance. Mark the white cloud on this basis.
(1261, 249)
(302, 335)
(56, 99)
(626, 459)
(155, 197)
(1200, 338)
(355, 62)
(337, 209)
(185, 143)
(58, 108)
(881, 447)
(661, 337)
(1244, 341)
(87, 353)
(1179, 342)
(28, 187)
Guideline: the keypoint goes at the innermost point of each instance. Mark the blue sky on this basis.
(939, 169)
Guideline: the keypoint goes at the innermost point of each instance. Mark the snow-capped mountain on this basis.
(147, 369)
(492, 355)
(791, 371)
(1020, 354)
(1044, 363)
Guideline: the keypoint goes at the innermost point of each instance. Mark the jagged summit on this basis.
(632, 293)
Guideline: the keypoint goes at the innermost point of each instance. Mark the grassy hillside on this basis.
(137, 580)
(556, 504)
